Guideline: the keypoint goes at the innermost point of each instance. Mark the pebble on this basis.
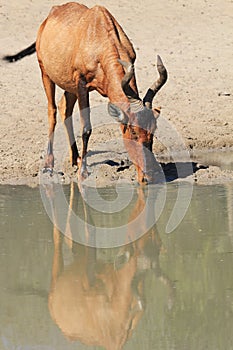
(224, 94)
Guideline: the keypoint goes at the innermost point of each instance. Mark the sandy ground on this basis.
(195, 40)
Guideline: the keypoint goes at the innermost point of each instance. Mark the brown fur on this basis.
(78, 49)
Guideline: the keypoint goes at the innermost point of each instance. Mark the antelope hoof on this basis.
(47, 170)
(83, 174)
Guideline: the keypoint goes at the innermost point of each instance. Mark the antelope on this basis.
(81, 49)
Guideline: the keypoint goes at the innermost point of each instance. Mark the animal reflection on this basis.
(98, 298)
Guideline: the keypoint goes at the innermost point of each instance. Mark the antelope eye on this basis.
(134, 134)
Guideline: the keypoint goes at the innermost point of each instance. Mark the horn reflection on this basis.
(97, 295)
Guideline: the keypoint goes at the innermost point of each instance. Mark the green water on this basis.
(163, 291)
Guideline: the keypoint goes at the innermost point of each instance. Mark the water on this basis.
(163, 291)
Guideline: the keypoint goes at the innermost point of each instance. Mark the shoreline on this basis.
(110, 172)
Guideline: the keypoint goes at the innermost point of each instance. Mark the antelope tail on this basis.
(26, 52)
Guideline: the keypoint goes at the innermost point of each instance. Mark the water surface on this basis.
(163, 291)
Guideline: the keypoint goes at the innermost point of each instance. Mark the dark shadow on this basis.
(121, 165)
(173, 171)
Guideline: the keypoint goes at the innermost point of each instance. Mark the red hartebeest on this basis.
(82, 49)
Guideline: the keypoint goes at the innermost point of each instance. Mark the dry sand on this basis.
(195, 40)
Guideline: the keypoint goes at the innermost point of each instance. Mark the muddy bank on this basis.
(195, 42)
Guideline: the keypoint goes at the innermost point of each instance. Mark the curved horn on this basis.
(133, 97)
(151, 92)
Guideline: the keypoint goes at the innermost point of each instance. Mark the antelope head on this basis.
(138, 123)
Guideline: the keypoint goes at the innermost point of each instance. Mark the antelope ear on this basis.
(117, 113)
(156, 112)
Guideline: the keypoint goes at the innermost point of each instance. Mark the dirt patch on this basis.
(195, 42)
